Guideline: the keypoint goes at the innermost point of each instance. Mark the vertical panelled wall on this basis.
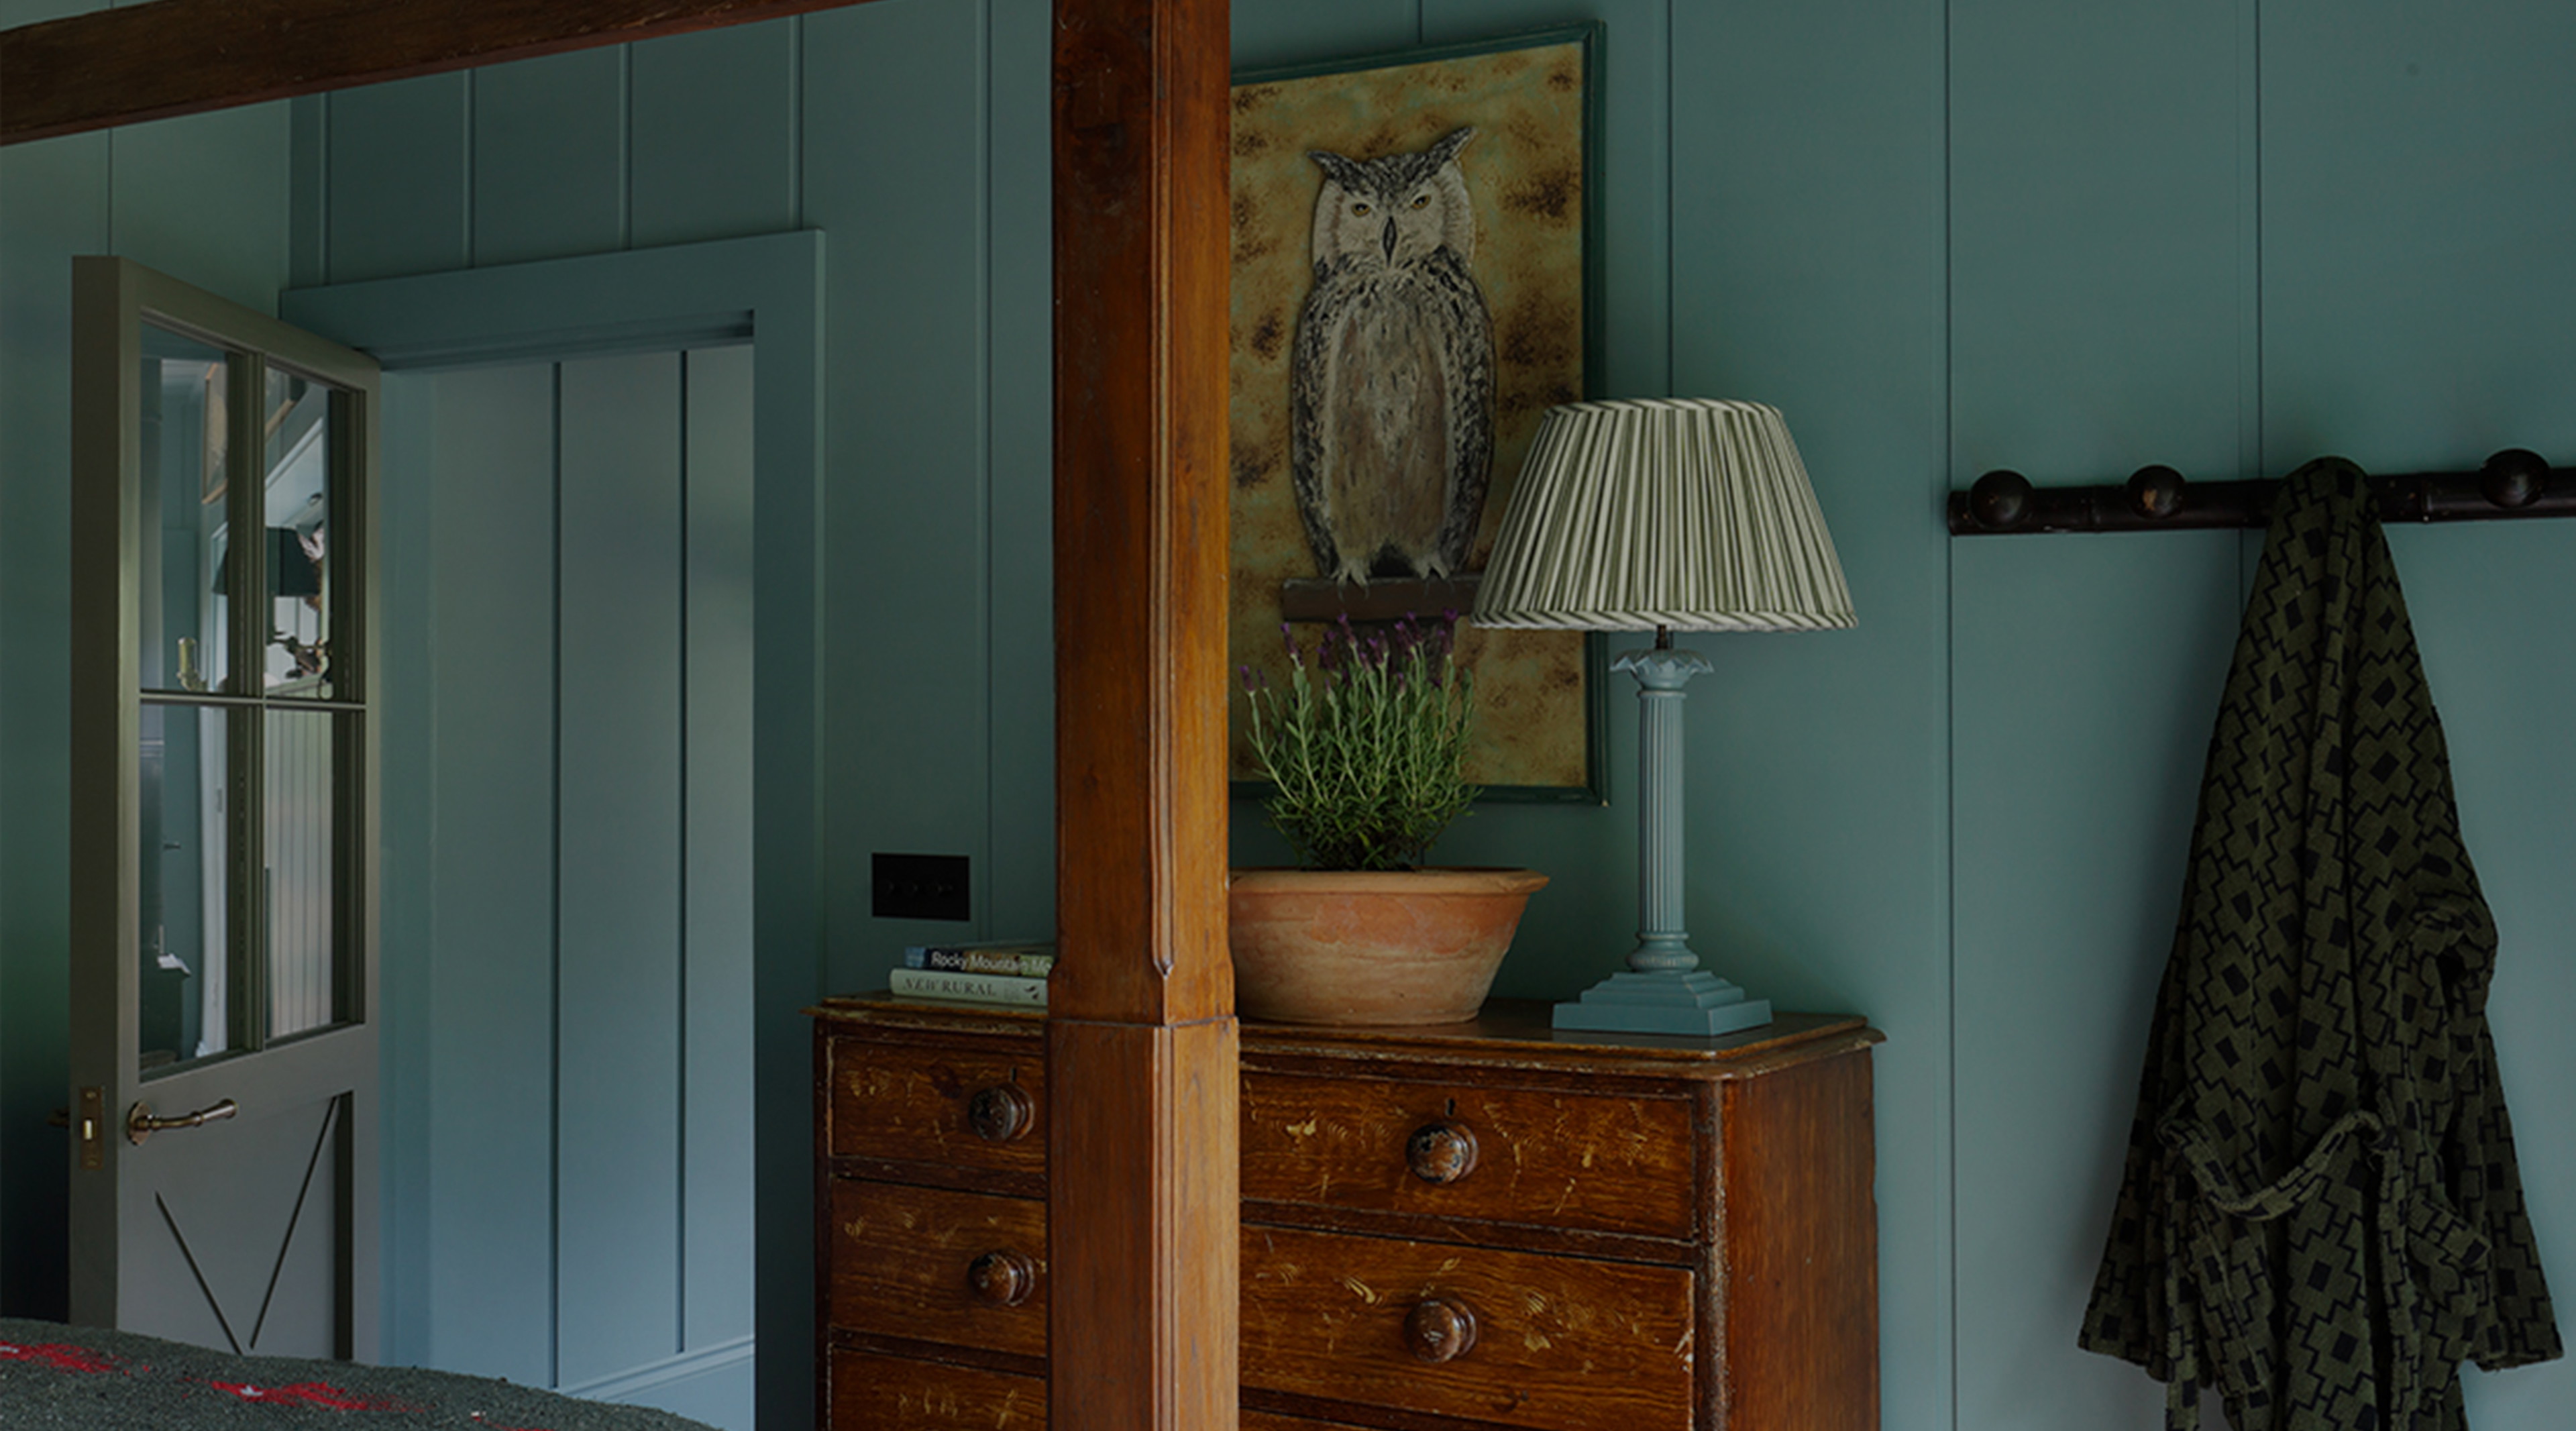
(584, 1208)
(203, 198)
(1942, 234)
(2230, 236)
(914, 134)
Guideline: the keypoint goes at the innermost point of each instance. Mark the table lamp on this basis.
(1675, 514)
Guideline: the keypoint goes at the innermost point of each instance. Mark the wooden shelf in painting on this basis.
(1314, 599)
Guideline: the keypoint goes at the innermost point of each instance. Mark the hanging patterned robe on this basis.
(2320, 1214)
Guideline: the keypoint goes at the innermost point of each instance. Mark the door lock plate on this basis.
(93, 1129)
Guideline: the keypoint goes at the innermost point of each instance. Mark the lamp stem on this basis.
(1663, 945)
(1664, 991)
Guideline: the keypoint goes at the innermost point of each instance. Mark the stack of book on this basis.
(1007, 972)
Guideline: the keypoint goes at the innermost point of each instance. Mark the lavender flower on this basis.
(1367, 753)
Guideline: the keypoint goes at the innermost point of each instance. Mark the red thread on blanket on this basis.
(61, 1356)
(308, 1393)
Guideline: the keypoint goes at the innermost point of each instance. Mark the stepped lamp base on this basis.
(1693, 1002)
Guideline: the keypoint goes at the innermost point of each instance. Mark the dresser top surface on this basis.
(1507, 1031)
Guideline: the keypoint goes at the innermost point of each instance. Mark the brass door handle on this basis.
(141, 1124)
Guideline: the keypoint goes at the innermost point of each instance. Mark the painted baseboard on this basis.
(639, 1380)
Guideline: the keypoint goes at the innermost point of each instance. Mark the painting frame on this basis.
(1574, 767)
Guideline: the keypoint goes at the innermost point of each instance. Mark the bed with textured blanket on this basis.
(59, 1378)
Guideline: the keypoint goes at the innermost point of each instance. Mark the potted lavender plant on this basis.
(1365, 749)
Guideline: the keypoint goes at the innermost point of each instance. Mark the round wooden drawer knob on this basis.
(1441, 1152)
(1001, 1279)
(1000, 1113)
(1439, 1331)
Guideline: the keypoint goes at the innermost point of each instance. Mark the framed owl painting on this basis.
(1415, 282)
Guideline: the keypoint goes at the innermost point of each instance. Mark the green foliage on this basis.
(1367, 747)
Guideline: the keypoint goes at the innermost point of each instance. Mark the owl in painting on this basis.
(1391, 383)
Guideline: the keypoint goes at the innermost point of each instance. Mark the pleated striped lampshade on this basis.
(1683, 512)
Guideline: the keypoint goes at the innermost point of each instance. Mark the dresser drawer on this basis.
(1558, 1159)
(887, 1393)
(1555, 1341)
(968, 1269)
(964, 1107)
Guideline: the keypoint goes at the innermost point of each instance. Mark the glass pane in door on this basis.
(185, 1008)
(181, 521)
(299, 477)
(303, 873)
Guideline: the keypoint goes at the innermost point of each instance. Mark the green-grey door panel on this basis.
(222, 1053)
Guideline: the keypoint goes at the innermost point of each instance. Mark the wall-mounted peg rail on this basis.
(2514, 483)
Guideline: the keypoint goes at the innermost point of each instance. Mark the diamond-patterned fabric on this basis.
(2320, 1214)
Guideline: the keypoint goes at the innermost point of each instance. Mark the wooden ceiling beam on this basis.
(174, 57)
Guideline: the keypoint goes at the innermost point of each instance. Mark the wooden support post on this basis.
(175, 57)
(1143, 1079)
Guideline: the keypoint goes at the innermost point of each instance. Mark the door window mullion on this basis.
(246, 514)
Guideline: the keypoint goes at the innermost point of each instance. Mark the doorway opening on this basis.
(569, 946)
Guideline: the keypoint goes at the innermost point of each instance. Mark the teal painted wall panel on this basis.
(619, 1070)
(216, 225)
(2070, 843)
(549, 165)
(490, 761)
(2418, 211)
(2104, 316)
(53, 204)
(1807, 222)
(398, 178)
(308, 199)
(908, 521)
(1269, 35)
(716, 856)
(2102, 237)
(1019, 873)
(713, 135)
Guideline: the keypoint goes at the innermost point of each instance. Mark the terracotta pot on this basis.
(1371, 946)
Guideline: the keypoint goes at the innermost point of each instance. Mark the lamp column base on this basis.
(1693, 1002)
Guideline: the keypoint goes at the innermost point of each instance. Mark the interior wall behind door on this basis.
(582, 1210)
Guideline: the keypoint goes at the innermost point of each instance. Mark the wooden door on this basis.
(223, 1053)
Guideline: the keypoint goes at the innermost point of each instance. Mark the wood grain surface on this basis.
(1142, 1051)
(1607, 1163)
(1144, 1309)
(875, 1393)
(1141, 501)
(898, 1260)
(1753, 1305)
(911, 1101)
(1560, 1341)
(1801, 1249)
(172, 57)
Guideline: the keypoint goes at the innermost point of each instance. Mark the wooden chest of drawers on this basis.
(1482, 1225)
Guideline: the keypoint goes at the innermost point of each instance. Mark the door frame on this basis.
(769, 288)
